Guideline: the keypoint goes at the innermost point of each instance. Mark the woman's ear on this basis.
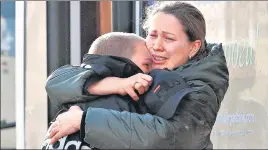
(196, 45)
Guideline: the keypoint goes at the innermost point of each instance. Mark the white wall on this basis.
(36, 74)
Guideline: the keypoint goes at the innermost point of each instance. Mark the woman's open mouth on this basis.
(158, 59)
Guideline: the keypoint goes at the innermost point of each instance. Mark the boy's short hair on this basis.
(116, 44)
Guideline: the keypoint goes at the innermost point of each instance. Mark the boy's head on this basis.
(127, 45)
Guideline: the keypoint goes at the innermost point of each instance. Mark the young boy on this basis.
(113, 54)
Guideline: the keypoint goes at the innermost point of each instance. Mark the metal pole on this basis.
(58, 39)
(137, 17)
(75, 33)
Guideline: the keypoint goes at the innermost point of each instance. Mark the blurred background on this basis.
(38, 36)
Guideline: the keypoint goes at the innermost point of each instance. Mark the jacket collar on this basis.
(120, 67)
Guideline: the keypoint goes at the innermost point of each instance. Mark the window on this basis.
(8, 134)
(241, 26)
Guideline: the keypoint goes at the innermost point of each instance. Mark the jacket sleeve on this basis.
(188, 128)
(67, 82)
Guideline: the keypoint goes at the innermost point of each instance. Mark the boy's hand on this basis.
(139, 82)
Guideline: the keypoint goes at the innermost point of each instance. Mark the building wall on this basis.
(242, 27)
(8, 139)
(36, 74)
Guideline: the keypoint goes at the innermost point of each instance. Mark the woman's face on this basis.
(167, 42)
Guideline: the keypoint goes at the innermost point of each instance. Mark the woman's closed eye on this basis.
(169, 39)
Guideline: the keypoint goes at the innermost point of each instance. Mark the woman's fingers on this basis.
(145, 81)
(139, 82)
(148, 78)
(54, 124)
(74, 108)
(54, 131)
(55, 138)
(145, 84)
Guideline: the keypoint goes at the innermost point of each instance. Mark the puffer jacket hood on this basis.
(209, 67)
(208, 74)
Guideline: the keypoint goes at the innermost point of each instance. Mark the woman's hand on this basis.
(66, 123)
(122, 86)
(139, 82)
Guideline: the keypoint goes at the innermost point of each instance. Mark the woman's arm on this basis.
(121, 86)
(69, 82)
(190, 127)
(109, 129)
